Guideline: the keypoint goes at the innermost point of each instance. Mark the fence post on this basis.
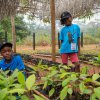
(82, 39)
(58, 41)
(33, 41)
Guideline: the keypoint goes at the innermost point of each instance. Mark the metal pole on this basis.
(13, 34)
(33, 41)
(52, 6)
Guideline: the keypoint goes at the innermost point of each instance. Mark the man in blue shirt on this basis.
(70, 41)
(10, 61)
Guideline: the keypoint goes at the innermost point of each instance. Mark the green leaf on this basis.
(21, 78)
(24, 97)
(53, 73)
(65, 82)
(82, 87)
(51, 92)
(97, 92)
(88, 80)
(87, 91)
(83, 75)
(84, 70)
(62, 71)
(15, 73)
(21, 91)
(73, 77)
(30, 82)
(66, 67)
(70, 91)
(45, 84)
(95, 77)
(63, 75)
(3, 93)
(2, 77)
(38, 97)
(93, 97)
(63, 93)
(12, 98)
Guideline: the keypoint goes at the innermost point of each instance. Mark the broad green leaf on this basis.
(73, 77)
(3, 93)
(21, 78)
(70, 91)
(66, 67)
(24, 97)
(65, 82)
(38, 97)
(15, 73)
(83, 75)
(12, 98)
(51, 92)
(84, 70)
(63, 93)
(97, 92)
(45, 84)
(88, 80)
(93, 97)
(2, 82)
(62, 71)
(87, 91)
(95, 77)
(21, 91)
(2, 77)
(16, 85)
(30, 82)
(63, 75)
(39, 64)
(82, 87)
(52, 73)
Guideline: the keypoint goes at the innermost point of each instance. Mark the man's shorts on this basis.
(73, 57)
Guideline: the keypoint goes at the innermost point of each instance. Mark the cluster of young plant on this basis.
(16, 87)
(58, 83)
(63, 84)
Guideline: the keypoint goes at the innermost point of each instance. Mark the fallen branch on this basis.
(38, 93)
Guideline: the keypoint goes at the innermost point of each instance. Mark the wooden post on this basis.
(82, 39)
(13, 34)
(33, 41)
(52, 6)
(58, 41)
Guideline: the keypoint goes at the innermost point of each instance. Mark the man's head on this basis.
(6, 51)
(66, 18)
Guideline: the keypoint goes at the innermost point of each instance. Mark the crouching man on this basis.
(9, 60)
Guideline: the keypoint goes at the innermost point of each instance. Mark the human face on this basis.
(69, 21)
(6, 52)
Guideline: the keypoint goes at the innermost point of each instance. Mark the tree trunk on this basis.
(13, 34)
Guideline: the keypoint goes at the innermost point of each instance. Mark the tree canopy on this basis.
(41, 8)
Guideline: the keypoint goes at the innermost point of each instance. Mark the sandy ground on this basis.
(90, 49)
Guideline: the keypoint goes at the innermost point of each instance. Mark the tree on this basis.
(20, 27)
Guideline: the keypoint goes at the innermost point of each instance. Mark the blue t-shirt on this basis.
(66, 46)
(15, 63)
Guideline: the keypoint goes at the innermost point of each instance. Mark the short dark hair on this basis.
(64, 16)
(5, 45)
